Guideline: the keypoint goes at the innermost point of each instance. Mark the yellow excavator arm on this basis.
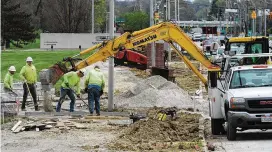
(168, 32)
(164, 31)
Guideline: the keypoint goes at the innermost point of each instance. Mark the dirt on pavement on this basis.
(151, 134)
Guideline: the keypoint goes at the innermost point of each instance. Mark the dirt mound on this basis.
(151, 134)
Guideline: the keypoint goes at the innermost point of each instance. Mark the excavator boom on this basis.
(166, 31)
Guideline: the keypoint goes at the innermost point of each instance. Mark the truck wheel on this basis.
(231, 130)
(217, 126)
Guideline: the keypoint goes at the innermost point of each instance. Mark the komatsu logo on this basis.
(145, 40)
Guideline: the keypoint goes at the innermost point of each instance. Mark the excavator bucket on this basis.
(52, 75)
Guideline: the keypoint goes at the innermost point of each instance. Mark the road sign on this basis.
(267, 11)
(253, 15)
(231, 10)
(260, 12)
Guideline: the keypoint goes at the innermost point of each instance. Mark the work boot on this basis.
(98, 114)
(36, 108)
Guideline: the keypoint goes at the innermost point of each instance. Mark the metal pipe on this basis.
(111, 59)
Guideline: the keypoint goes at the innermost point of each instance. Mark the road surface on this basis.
(247, 141)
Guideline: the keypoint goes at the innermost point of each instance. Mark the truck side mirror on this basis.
(213, 78)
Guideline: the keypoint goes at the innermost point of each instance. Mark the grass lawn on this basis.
(42, 59)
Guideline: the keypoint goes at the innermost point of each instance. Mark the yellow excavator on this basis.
(167, 31)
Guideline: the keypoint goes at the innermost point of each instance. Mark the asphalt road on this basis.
(246, 141)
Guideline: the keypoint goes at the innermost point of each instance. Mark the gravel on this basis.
(154, 91)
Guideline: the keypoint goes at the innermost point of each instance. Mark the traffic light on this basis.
(253, 15)
(220, 12)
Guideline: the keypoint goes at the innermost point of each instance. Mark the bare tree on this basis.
(67, 16)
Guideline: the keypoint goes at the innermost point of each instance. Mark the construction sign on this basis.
(253, 15)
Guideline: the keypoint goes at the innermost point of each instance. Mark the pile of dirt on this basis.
(154, 91)
(153, 134)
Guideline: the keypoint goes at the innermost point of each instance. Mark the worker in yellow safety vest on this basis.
(94, 84)
(8, 81)
(28, 74)
(71, 79)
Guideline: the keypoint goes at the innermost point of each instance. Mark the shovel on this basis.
(79, 98)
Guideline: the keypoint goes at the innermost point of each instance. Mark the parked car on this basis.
(197, 37)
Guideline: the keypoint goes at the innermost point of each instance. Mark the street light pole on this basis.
(178, 10)
(175, 10)
(111, 59)
(265, 19)
(153, 63)
(169, 18)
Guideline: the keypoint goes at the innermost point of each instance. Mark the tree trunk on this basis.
(7, 44)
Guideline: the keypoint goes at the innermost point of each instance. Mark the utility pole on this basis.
(220, 21)
(153, 53)
(261, 20)
(264, 24)
(168, 10)
(178, 10)
(247, 20)
(265, 3)
(92, 16)
(169, 18)
(111, 59)
(69, 17)
(175, 10)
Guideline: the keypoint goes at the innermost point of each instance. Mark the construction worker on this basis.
(29, 75)
(95, 83)
(71, 79)
(8, 81)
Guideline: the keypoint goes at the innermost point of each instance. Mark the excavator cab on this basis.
(249, 45)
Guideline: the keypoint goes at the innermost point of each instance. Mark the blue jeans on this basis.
(63, 93)
(94, 97)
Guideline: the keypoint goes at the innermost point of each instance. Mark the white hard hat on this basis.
(29, 59)
(12, 68)
(83, 71)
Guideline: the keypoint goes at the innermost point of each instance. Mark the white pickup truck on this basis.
(241, 98)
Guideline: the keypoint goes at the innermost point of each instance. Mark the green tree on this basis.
(136, 21)
(202, 8)
(100, 11)
(214, 10)
(221, 3)
(15, 24)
